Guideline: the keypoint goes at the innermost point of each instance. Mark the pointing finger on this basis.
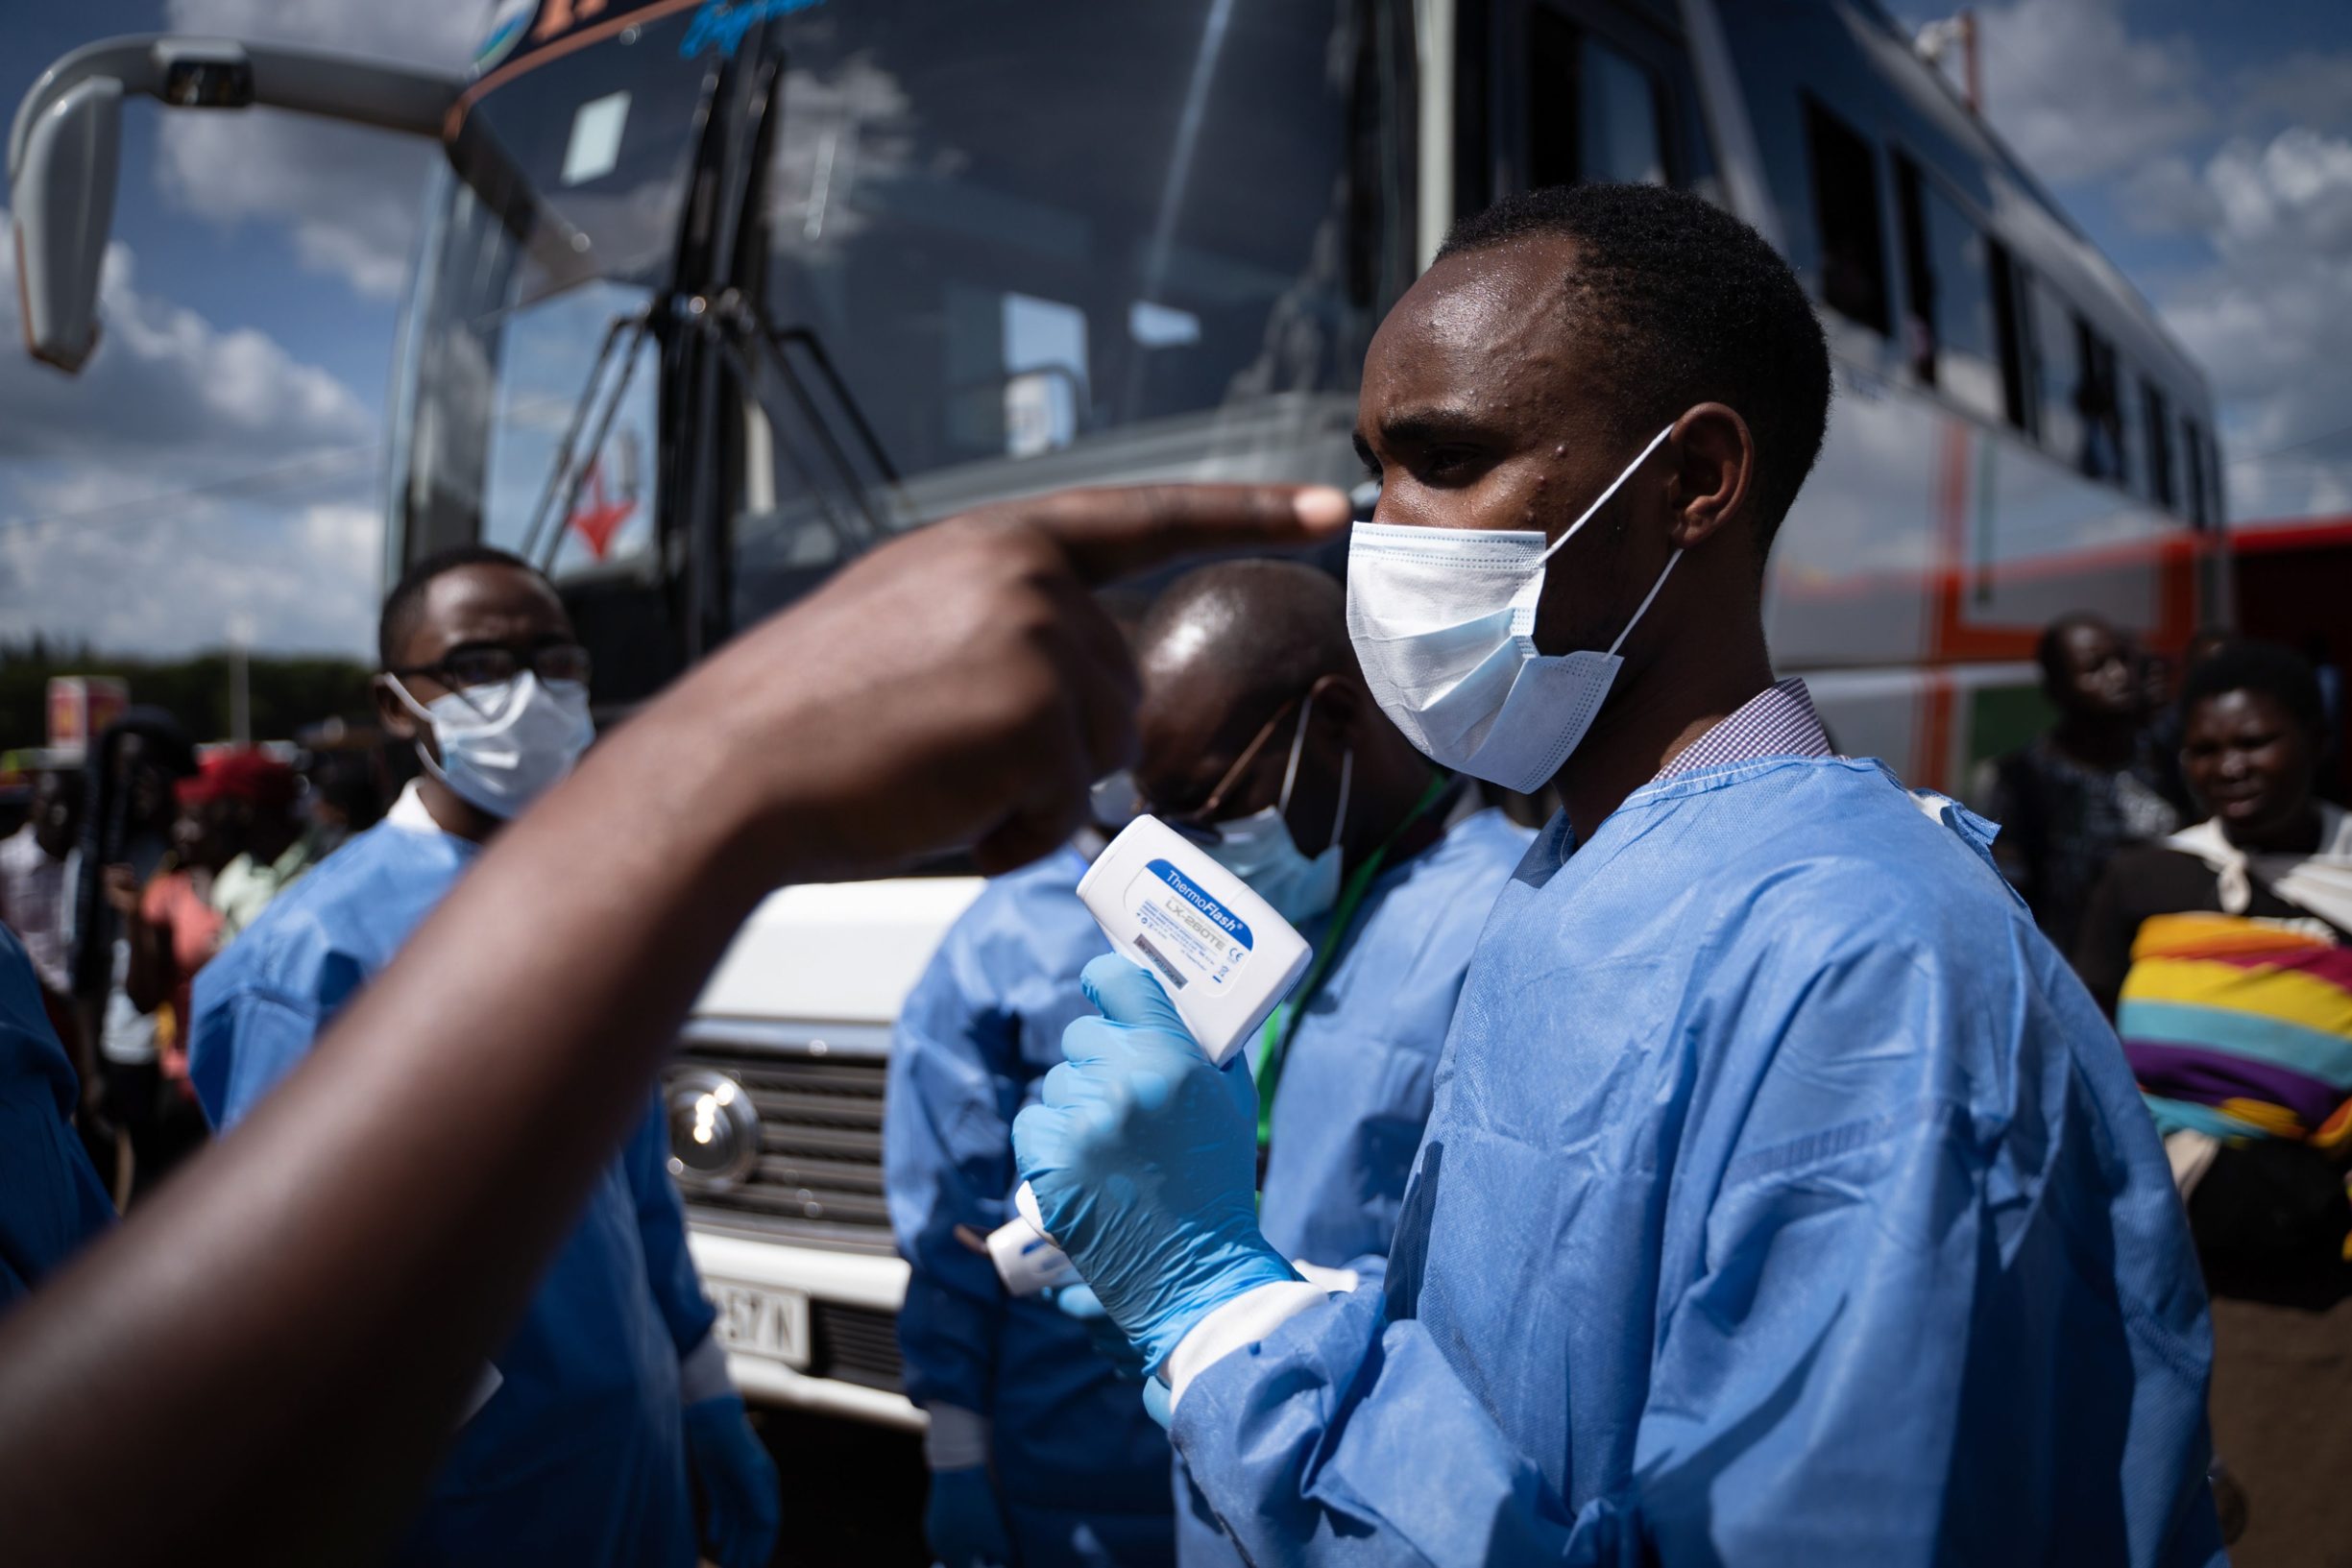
(1107, 534)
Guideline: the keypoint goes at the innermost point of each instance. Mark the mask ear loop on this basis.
(1339, 817)
(1645, 604)
(1614, 486)
(1290, 773)
(399, 689)
(1299, 744)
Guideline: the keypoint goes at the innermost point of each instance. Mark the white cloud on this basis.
(165, 386)
(2272, 319)
(2078, 95)
(349, 196)
(300, 579)
(170, 407)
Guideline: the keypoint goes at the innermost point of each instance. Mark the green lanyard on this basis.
(1283, 1022)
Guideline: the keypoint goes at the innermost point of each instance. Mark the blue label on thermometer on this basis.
(1183, 931)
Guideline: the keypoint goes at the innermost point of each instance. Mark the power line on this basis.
(2320, 440)
(332, 464)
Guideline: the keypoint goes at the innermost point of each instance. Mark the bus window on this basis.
(2213, 510)
(2132, 473)
(1619, 116)
(1551, 99)
(2013, 322)
(2057, 365)
(1593, 113)
(2097, 404)
(1949, 322)
(2157, 413)
(1845, 220)
(2193, 455)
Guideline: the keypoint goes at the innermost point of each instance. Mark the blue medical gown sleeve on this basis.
(661, 1223)
(1892, 1338)
(51, 1201)
(946, 1155)
(244, 1042)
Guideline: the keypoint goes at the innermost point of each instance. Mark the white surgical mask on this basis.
(503, 746)
(1260, 850)
(1443, 622)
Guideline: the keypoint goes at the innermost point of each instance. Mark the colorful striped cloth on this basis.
(2240, 1027)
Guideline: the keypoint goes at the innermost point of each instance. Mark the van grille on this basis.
(817, 1171)
(857, 1344)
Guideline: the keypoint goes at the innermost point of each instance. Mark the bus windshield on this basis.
(987, 248)
(1065, 242)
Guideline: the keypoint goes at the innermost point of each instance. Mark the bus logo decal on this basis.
(721, 24)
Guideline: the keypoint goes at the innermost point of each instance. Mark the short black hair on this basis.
(2050, 649)
(1692, 306)
(2248, 666)
(406, 601)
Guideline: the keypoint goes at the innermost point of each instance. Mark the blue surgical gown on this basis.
(974, 1041)
(578, 1457)
(51, 1201)
(1786, 1201)
(1081, 1470)
(1357, 1075)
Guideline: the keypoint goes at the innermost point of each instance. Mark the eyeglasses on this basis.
(1199, 824)
(494, 663)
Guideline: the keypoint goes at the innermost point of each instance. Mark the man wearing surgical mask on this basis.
(612, 1389)
(1258, 740)
(1784, 1198)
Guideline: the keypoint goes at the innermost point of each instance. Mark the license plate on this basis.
(756, 1320)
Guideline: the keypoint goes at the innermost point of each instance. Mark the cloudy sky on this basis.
(217, 467)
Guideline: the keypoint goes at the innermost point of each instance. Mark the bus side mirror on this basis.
(65, 147)
(62, 203)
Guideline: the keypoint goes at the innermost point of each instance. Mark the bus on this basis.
(714, 295)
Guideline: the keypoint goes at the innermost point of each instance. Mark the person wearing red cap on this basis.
(253, 809)
(238, 807)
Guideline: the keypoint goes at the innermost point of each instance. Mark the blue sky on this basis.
(252, 295)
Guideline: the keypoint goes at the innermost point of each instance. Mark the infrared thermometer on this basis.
(1226, 959)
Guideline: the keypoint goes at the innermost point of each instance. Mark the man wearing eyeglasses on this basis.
(1260, 742)
(611, 1388)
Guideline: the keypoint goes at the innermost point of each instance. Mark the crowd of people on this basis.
(2182, 854)
(1734, 1169)
(129, 874)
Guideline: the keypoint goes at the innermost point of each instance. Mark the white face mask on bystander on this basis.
(502, 746)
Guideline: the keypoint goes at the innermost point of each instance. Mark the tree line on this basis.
(288, 691)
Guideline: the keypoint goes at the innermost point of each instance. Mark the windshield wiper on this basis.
(566, 475)
(745, 333)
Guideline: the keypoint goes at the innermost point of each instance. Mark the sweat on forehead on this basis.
(1245, 633)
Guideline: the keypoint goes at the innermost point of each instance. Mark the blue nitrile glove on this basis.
(1079, 1301)
(962, 1521)
(1158, 1402)
(742, 1505)
(1144, 1160)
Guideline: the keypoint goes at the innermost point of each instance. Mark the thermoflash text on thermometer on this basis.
(1221, 952)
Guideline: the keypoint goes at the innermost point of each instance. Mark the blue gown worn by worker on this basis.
(1082, 1471)
(1351, 1092)
(579, 1454)
(1344, 1108)
(1786, 1201)
(51, 1200)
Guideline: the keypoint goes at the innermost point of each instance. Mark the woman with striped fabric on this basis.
(2224, 954)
